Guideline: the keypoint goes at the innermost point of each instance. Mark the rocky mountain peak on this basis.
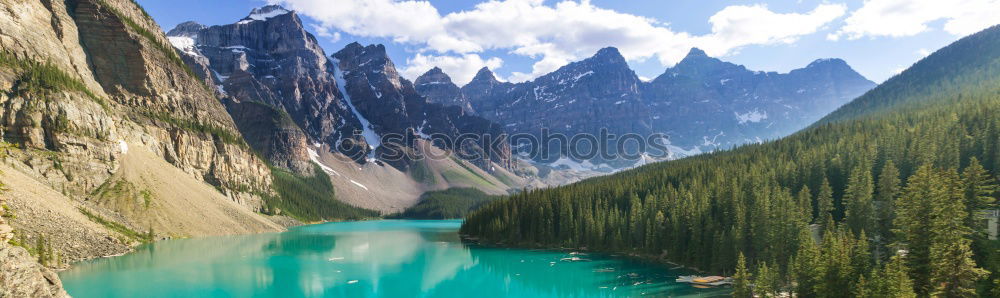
(264, 13)
(438, 88)
(695, 53)
(609, 55)
(485, 75)
(698, 64)
(830, 64)
(186, 29)
(433, 76)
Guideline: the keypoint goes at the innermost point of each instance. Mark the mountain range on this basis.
(701, 104)
(115, 133)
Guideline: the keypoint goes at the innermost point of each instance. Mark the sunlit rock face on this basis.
(349, 101)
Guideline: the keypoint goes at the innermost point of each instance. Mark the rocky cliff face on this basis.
(393, 106)
(349, 101)
(701, 104)
(20, 273)
(87, 85)
(438, 88)
(111, 79)
(269, 58)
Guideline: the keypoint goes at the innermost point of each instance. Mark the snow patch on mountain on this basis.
(183, 43)
(371, 137)
(359, 184)
(586, 165)
(676, 152)
(264, 13)
(314, 156)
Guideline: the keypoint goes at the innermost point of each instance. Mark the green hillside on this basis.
(901, 168)
(446, 204)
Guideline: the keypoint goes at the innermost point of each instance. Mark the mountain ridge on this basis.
(572, 100)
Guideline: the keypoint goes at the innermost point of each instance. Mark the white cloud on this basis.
(923, 52)
(737, 26)
(325, 32)
(899, 18)
(556, 33)
(461, 69)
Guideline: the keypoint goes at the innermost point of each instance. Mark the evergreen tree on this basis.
(766, 284)
(804, 200)
(741, 279)
(807, 267)
(979, 190)
(887, 189)
(892, 280)
(824, 204)
(861, 288)
(860, 209)
(913, 228)
(953, 272)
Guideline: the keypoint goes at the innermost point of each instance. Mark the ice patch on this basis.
(260, 16)
(420, 131)
(568, 163)
(678, 152)
(359, 184)
(371, 137)
(751, 116)
(314, 156)
(183, 43)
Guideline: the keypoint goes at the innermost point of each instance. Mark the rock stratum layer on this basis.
(109, 139)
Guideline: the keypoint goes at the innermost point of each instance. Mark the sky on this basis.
(523, 39)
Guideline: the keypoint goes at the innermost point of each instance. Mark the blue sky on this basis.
(521, 39)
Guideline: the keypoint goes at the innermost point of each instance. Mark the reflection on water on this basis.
(362, 259)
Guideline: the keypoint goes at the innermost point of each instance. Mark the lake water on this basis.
(388, 258)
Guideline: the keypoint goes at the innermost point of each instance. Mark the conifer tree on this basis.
(741, 279)
(979, 190)
(824, 204)
(913, 229)
(858, 195)
(892, 280)
(766, 282)
(807, 267)
(953, 272)
(887, 189)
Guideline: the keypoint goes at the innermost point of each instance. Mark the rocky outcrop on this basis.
(438, 88)
(349, 101)
(269, 58)
(393, 106)
(85, 81)
(20, 274)
(484, 85)
(274, 134)
(111, 79)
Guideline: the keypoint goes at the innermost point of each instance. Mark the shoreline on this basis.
(647, 258)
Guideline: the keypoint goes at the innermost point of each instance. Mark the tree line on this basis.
(883, 205)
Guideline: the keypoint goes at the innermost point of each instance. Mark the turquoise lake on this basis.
(387, 258)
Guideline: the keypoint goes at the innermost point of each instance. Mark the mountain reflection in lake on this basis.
(390, 258)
